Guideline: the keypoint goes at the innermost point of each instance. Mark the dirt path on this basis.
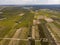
(33, 32)
(15, 36)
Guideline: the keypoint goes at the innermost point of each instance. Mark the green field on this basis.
(19, 26)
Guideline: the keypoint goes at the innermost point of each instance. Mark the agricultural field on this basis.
(19, 26)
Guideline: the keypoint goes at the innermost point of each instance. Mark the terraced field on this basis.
(20, 26)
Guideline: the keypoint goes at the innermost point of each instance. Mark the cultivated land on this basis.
(19, 26)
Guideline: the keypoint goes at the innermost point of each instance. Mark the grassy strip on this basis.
(57, 25)
(24, 33)
(37, 43)
(23, 42)
(50, 26)
(4, 32)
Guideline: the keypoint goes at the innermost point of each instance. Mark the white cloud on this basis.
(29, 2)
(53, 2)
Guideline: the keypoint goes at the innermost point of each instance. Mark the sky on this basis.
(28, 2)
